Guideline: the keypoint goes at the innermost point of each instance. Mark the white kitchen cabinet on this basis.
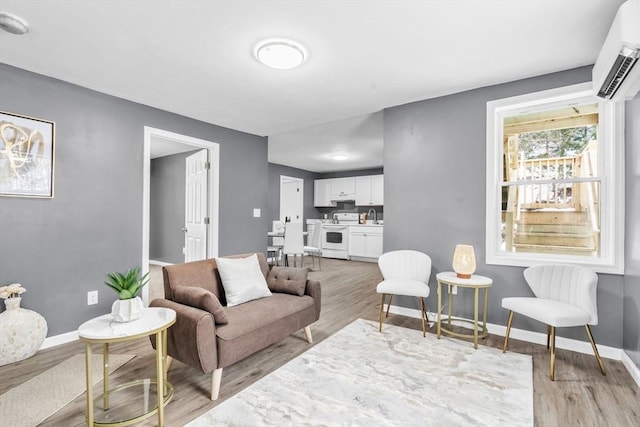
(370, 190)
(343, 188)
(357, 245)
(322, 193)
(377, 190)
(365, 242)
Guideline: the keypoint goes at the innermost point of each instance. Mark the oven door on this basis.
(334, 238)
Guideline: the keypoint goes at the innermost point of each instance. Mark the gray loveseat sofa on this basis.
(210, 342)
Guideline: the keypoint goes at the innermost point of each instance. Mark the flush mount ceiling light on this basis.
(281, 54)
(13, 24)
(340, 157)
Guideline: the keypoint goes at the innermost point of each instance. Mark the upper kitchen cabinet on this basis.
(322, 193)
(343, 188)
(370, 190)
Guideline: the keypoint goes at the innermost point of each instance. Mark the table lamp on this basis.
(464, 261)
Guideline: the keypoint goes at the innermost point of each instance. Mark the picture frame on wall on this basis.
(26, 156)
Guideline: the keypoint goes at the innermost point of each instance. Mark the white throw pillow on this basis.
(242, 279)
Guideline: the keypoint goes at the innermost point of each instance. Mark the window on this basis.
(555, 180)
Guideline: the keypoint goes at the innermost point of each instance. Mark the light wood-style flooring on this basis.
(580, 396)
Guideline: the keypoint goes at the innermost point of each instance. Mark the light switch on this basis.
(256, 213)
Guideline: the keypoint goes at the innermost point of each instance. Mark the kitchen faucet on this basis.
(375, 215)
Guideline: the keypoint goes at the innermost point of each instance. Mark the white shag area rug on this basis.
(33, 401)
(361, 377)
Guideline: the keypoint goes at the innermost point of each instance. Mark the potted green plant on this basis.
(128, 285)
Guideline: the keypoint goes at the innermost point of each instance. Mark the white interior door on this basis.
(196, 219)
(291, 198)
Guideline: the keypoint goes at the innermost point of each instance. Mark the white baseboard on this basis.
(160, 263)
(520, 334)
(524, 335)
(364, 259)
(59, 339)
(631, 367)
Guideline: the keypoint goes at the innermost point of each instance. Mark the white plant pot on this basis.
(126, 310)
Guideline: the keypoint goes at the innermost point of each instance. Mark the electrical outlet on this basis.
(92, 297)
(454, 290)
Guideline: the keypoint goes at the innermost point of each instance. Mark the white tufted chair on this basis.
(565, 295)
(405, 272)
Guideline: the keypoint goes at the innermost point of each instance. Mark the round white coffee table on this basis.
(476, 283)
(104, 330)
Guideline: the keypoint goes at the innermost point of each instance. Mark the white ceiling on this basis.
(360, 138)
(162, 147)
(194, 57)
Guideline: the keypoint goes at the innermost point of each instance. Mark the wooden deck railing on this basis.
(548, 195)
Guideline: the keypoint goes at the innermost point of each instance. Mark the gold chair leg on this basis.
(422, 316)
(506, 336)
(548, 335)
(595, 350)
(389, 305)
(553, 353)
(381, 311)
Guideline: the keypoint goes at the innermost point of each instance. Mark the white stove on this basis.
(335, 235)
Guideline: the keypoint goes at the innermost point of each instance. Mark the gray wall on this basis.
(434, 156)
(61, 248)
(311, 212)
(631, 325)
(273, 203)
(341, 174)
(166, 208)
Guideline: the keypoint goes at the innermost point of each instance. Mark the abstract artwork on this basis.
(26, 156)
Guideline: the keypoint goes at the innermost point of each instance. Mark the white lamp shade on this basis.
(464, 261)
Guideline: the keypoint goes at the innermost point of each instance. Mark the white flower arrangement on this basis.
(13, 290)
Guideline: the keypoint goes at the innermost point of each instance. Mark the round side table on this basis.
(104, 330)
(476, 283)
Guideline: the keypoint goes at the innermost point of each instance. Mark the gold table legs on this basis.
(476, 332)
(162, 386)
(89, 375)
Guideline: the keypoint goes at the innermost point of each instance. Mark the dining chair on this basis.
(274, 251)
(314, 247)
(405, 272)
(565, 296)
(293, 242)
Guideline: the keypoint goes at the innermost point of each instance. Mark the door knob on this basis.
(184, 230)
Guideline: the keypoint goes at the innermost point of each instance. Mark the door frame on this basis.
(213, 196)
(285, 178)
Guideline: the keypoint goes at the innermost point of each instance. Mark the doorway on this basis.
(291, 198)
(158, 140)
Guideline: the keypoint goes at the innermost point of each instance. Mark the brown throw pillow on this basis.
(288, 280)
(203, 299)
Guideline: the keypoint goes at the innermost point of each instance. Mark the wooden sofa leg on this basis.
(307, 333)
(215, 383)
(169, 362)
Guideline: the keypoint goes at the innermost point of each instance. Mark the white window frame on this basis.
(610, 163)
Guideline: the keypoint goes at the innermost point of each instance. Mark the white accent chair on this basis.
(293, 242)
(315, 241)
(405, 272)
(565, 295)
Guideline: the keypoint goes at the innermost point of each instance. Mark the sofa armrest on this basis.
(192, 339)
(313, 290)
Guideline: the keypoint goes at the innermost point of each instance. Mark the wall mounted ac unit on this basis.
(616, 73)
